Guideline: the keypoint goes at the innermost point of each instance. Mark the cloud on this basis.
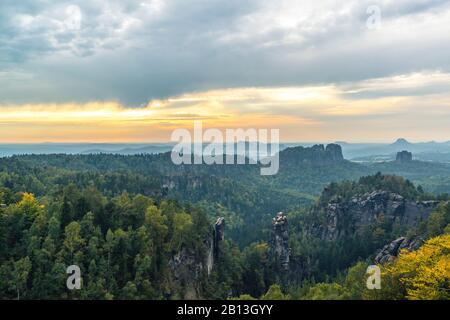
(136, 51)
(367, 109)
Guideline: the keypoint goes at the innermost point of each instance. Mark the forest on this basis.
(141, 228)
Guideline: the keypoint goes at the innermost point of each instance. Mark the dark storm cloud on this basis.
(134, 51)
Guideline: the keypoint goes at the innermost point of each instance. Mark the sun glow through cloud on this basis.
(302, 113)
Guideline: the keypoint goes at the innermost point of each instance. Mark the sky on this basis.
(135, 70)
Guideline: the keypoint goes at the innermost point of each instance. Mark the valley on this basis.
(153, 222)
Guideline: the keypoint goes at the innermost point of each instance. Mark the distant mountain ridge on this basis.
(426, 151)
(401, 143)
(366, 152)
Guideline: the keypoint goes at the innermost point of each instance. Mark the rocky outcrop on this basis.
(190, 267)
(391, 251)
(176, 183)
(279, 250)
(316, 155)
(403, 156)
(345, 217)
(218, 236)
(187, 272)
(334, 152)
(285, 269)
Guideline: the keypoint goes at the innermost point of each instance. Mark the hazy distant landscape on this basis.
(366, 152)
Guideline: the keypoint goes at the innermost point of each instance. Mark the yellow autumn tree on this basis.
(419, 275)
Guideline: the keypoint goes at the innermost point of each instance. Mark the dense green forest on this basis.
(238, 192)
(140, 227)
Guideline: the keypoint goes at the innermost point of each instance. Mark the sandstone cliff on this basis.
(403, 156)
(346, 217)
(190, 268)
(391, 251)
(315, 155)
(279, 250)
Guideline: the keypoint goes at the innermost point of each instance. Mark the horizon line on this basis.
(174, 142)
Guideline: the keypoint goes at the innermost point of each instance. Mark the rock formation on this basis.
(218, 236)
(279, 250)
(189, 267)
(334, 152)
(187, 272)
(316, 155)
(403, 156)
(391, 251)
(285, 269)
(345, 217)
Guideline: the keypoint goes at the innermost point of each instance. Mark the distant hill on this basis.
(360, 152)
(427, 151)
(401, 143)
(7, 150)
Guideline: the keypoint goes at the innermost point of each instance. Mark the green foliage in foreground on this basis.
(122, 245)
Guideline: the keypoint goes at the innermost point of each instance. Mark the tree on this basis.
(355, 281)
(3, 237)
(254, 260)
(438, 220)
(275, 293)
(155, 222)
(327, 291)
(73, 240)
(129, 291)
(20, 273)
(418, 275)
(244, 297)
(182, 223)
(54, 228)
(66, 214)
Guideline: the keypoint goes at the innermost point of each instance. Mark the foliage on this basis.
(275, 293)
(129, 260)
(419, 275)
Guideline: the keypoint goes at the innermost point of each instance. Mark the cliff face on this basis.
(190, 268)
(279, 250)
(316, 155)
(218, 236)
(334, 152)
(284, 268)
(403, 156)
(391, 251)
(345, 217)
